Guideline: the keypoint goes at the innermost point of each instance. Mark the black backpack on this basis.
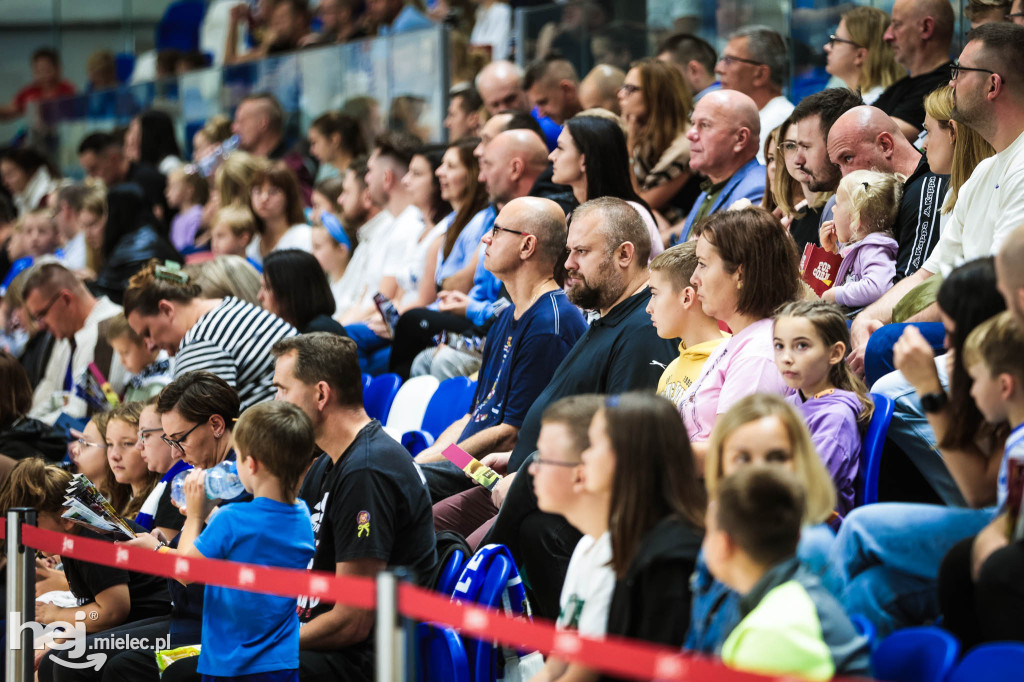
(451, 546)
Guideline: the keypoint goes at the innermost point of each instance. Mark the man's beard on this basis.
(590, 297)
(827, 183)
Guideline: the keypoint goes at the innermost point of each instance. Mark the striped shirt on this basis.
(233, 341)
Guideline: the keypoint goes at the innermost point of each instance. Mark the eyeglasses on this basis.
(145, 432)
(788, 148)
(497, 228)
(176, 443)
(729, 60)
(83, 443)
(555, 463)
(628, 89)
(1013, 15)
(833, 39)
(955, 69)
(38, 317)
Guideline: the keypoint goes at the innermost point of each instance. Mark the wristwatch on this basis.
(934, 402)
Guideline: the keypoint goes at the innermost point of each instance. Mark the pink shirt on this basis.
(742, 366)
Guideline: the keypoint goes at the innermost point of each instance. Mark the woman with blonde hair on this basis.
(656, 104)
(227, 275)
(858, 55)
(761, 429)
(952, 147)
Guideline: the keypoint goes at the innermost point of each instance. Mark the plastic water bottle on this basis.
(208, 165)
(221, 482)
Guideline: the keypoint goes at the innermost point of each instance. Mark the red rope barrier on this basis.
(617, 656)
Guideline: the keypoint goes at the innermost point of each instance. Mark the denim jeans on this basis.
(885, 560)
(374, 351)
(912, 433)
(878, 354)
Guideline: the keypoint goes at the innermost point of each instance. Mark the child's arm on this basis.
(876, 279)
(110, 609)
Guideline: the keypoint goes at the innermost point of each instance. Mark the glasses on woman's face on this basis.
(83, 443)
(788, 148)
(144, 433)
(628, 89)
(833, 39)
(178, 443)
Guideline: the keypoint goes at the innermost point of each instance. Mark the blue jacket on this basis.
(746, 183)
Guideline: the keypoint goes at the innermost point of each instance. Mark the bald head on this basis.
(542, 218)
(511, 164)
(500, 85)
(866, 138)
(1009, 276)
(600, 88)
(724, 136)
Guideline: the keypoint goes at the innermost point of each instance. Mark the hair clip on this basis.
(611, 401)
(865, 185)
(191, 169)
(171, 272)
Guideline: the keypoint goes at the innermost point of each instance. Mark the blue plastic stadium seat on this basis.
(379, 395)
(925, 654)
(442, 656)
(179, 27)
(449, 403)
(995, 662)
(871, 451)
(450, 574)
(124, 64)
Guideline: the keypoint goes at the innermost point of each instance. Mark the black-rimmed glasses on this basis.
(555, 462)
(955, 69)
(145, 432)
(728, 60)
(1013, 15)
(38, 317)
(497, 228)
(832, 39)
(176, 443)
(628, 89)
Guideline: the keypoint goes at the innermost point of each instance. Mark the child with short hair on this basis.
(232, 231)
(862, 222)
(677, 314)
(187, 192)
(811, 342)
(791, 625)
(150, 370)
(40, 236)
(246, 634)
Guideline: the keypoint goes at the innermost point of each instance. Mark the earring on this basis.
(739, 285)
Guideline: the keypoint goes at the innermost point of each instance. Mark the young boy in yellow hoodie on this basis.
(677, 314)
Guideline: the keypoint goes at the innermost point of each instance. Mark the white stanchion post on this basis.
(21, 571)
(390, 663)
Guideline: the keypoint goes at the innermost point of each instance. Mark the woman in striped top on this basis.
(228, 336)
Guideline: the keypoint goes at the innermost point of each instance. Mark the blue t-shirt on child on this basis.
(246, 632)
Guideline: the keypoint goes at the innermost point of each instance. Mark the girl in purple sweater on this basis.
(862, 222)
(811, 341)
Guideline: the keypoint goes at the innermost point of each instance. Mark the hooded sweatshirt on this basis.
(832, 420)
(867, 270)
(652, 601)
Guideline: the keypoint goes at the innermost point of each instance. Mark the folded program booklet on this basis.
(474, 468)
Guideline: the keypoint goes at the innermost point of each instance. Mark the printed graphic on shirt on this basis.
(306, 604)
(485, 406)
(674, 390)
(569, 617)
(363, 524)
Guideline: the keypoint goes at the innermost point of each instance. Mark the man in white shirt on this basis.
(60, 303)
(755, 62)
(388, 241)
(991, 203)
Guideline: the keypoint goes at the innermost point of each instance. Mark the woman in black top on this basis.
(20, 435)
(640, 455)
(295, 288)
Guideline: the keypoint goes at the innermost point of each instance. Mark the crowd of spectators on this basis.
(676, 416)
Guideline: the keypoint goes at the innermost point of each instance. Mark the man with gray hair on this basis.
(920, 35)
(755, 62)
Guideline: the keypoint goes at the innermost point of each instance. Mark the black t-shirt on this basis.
(904, 99)
(373, 504)
(805, 228)
(620, 352)
(167, 515)
(148, 593)
(917, 222)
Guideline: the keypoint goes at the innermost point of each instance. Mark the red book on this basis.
(818, 268)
